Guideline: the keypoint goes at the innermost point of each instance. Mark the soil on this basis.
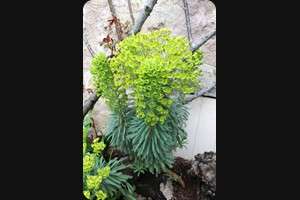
(181, 166)
(147, 185)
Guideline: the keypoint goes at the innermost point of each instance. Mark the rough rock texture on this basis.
(209, 75)
(204, 167)
(166, 13)
(167, 189)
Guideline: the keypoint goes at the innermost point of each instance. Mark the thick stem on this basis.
(130, 11)
(203, 40)
(188, 22)
(88, 45)
(200, 93)
(142, 17)
(89, 103)
(113, 13)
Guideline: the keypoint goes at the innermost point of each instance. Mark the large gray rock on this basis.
(204, 167)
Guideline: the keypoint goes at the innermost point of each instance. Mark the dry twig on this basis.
(188, 22)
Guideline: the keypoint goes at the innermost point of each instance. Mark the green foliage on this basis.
(138, 84)
(101, 179)
(104, 82)
(138, 167)
(153, 145)
(116, 182)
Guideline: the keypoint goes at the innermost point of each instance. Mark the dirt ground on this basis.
(147, 185)
(181, 166)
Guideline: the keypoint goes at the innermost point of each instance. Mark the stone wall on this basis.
(166, 13)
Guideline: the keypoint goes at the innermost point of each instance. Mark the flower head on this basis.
(98, 146)
(87, 194)
(104, 172)
(101, 195)
(88, 163)
(93, 182)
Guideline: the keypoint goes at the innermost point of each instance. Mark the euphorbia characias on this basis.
(98, 175)
(153, 66)
(139, 84)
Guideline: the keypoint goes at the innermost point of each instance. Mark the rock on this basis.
(204, 167)
(167, 189)
(209, 51)
(209, 76)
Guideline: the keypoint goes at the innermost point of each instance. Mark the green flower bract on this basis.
(152, 67)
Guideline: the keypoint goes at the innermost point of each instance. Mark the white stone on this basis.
(167, 189)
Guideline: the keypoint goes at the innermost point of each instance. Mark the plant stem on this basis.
(86, 42)
(203, 40)
(144, 14)
(113, 13)
(130, 10)
(188, 23)
(178, 178)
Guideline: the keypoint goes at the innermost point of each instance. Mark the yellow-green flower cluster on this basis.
(100, 195)
(93, 181)
(87, 194)
(104, 83)
(153, 66)
(104, 172)
(98, 146)
(88, 163)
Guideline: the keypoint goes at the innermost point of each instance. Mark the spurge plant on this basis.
(144, 85)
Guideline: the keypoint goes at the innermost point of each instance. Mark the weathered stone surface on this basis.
(100, 113)
(204, 167)
(166, 13)
(209, 76)
(167, 189)
(209, 52)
